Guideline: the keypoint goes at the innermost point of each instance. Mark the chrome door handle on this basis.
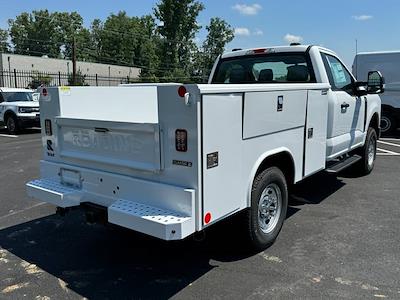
(345, 105)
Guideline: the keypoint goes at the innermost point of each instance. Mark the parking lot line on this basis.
(389, 144)
(8, 135)
(387, 152)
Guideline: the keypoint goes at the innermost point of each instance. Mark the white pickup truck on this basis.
(169, 160)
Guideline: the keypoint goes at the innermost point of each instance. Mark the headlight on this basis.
(27, 110)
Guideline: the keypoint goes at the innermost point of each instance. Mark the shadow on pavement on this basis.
(315, 189)
(26, 131)
(99, 261)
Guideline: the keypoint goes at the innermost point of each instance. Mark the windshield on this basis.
(270, 68)
(17, 96)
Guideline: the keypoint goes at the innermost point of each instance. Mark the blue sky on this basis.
(333, 24)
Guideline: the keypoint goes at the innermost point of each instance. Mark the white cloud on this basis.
(362, 17)
(242, 31)
(248, 10)
(258, 32)
(290, 38)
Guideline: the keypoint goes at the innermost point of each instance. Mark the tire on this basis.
(12, 125)
(367, 153)
(388, 124)
(269, 201)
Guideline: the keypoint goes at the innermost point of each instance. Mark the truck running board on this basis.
(343, 164)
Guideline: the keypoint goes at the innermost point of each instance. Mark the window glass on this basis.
(339, 77)
(17, 96)
(270, 68)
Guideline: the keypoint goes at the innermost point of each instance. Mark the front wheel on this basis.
(12, 125)
(269, 201)
(368, 153)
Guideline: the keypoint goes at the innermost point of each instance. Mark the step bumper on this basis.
(154, 221)
(53, 192)
(140, 214)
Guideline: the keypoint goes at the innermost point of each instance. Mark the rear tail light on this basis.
(181, 140)
(182, 91)
(47, 127)
(44, 92)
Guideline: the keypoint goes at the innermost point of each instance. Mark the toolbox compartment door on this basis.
(315, 133)
(102, 143)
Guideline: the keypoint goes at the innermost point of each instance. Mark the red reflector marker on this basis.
(258, 51)
(207, 218)
(182, 91)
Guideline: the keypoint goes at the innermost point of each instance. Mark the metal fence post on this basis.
(59, 78)
(97, 83)
(15, 77)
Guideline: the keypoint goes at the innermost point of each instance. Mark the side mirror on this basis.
(360, 89)
(376, 82)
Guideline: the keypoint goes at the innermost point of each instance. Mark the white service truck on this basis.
(169, 160)
(388, 63)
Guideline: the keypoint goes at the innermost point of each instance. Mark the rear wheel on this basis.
(368, 153)
(269, 200)
(12, 125)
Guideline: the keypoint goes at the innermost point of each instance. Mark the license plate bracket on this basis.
(71, 178)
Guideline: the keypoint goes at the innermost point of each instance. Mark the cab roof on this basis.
(275, 49)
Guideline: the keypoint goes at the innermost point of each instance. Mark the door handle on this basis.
(345, 105)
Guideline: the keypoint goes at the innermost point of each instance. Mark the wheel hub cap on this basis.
(269, 208)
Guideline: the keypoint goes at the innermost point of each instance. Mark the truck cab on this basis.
(170, 160)
(349, 108)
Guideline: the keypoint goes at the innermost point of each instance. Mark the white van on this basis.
(388, 63)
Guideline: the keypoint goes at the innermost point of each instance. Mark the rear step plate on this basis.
(158, 222)
(343, 164)
(52, 191)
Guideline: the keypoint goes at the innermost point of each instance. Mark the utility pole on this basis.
(74, 61)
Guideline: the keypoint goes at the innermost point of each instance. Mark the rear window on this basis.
(269, 68)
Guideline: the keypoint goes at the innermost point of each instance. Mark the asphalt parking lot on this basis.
(340, 241)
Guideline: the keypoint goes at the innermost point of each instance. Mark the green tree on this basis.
(127, 40)
(96, 30)
(220, 33)
(68, 28)
(79, 79)
(4, 46)
(178, 28)
(34, 34)
(39, 79)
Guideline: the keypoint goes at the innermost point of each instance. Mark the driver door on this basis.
(346, 111)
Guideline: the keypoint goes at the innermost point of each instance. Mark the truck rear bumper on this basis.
(159, 210)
